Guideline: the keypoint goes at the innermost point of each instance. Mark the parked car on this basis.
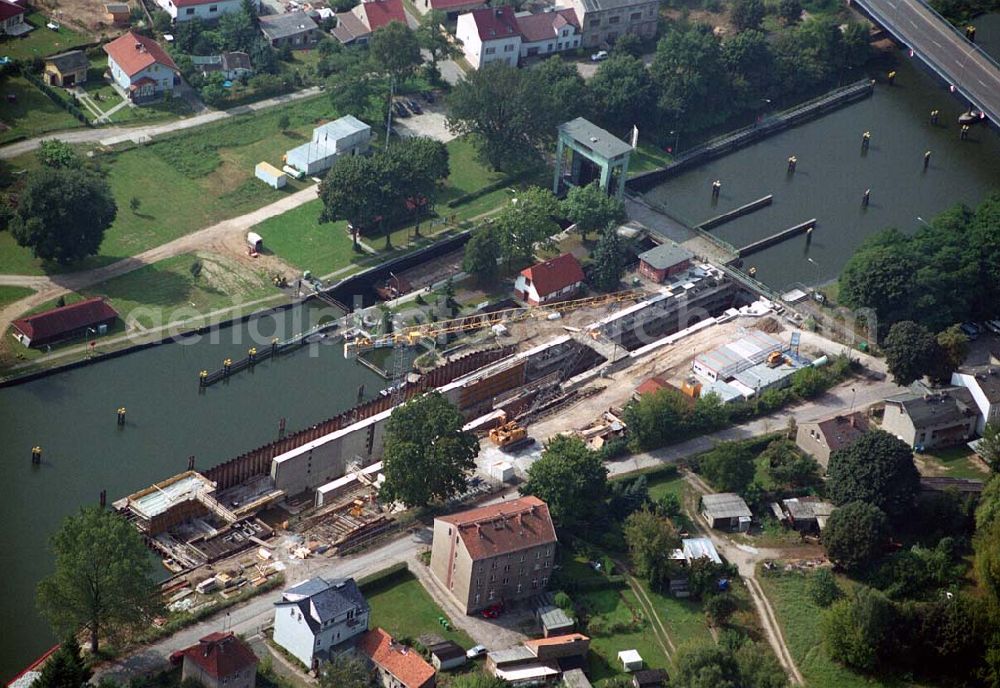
(599, 56)
(477, 651)
(429, 96)
(414, 106)
(971, 330)
(400, 109)
(993, 326)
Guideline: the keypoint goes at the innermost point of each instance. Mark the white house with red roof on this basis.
(553, 280)
(207, 10)
(358, 24)
(140, 67)
(490, 35)
(546, 33)
(12, 18)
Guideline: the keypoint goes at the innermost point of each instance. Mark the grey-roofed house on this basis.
(595, 154)
(925, 421)
(297, 30)
(344, 136)
(804, 513)
(232, 65)
(446, 655)
(821, 438)
(66, 69)
(663, 261)
(726, 511)
(983, 382)
(552, 619)
(318, 616)
(605, 21)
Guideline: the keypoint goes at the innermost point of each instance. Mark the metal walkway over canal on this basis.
(962, 64)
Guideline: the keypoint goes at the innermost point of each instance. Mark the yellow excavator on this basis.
(508, 436)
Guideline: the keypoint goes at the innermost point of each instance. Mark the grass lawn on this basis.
(33, 114)
(953, 462)
(299, 238)
(402, 607)
(202, 176)
(9, 295)
(42, 41)
(800, 617)
(647, 157)
(167, 291)
(684, 618)
(611, 608)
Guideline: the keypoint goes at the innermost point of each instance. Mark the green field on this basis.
(401, 606)
(9, 295)
(684, 618)
(647, 157)
(954, 462)
(299, 238)
(611, 607)
(188, 182)
(167, 291)
(32, 113)
(800, 617)
(41, 42)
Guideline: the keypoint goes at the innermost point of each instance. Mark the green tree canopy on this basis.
(103, 579)
(910, 352)
(57, 154)
(854, 535)
(790, 11)
(788, 467)
(729, 466)
(989, 447)
(608, 260)
(651, 541)
(395, 50)
(426, 455)
(747, 14)
(434, 39)
(571, 479)
(878, 469)
(65, 668)
(856, 631)
(591, 208)
(707, 665)
(525, 221)
(509, 112)
(62, 214)
(823, 588)
(481, 256)
(346, 670)
(952, 347)
(624, 92)
(691, 77)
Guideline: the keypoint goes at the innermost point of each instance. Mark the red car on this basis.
(493, 612)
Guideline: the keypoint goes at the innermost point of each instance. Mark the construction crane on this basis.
(411, 336)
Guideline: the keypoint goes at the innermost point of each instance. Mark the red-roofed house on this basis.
(219, 660)
(822, 438)
(490, 35)
(206, 10)
(398, 666)
(546, 33)
(64, 322)
(495, 553)
(451, 8)
(553, 280)
(358, 25)
(12, 19)
(140, 66)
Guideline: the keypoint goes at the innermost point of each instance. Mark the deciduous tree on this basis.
(591, 208)
(57, 154)
(346, 670)
(427, 455)
(624, 92)
(877, 469)
(790, 11)
(651, 539)
(571, 479)
(747, 14)
(103, 579)
(395, 51)
(857, 630)
(481, 256)
(525, 221)
(854, 535)
(608, 260)
(729, 466)
(62, 214)
(910, 352)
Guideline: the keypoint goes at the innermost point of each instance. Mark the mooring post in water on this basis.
(121, 416)
(226, 365)
(965, 132)
(866, 139)
(252, 355)
(202, 377)
(104, 498)
(792, 161)
(191, 462)
(866, 198)
(36, 456)
(927, 160)
(892, 77)
(361, 392)
(716, 189)
(274, 346)
(970, 33)
(281, 428)
(935, 117)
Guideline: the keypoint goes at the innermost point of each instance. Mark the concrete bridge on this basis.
(966, 68)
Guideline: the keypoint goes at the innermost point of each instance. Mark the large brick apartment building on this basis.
(497, 553)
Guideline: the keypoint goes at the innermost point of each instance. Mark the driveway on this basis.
(431, 123)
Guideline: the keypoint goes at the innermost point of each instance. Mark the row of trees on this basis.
(947, 272)
(695, 82)
(379, 190)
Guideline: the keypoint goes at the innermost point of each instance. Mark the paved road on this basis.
(109, 136)
(935, 42)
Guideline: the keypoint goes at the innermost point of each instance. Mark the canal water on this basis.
(833, 173)
(71, 415)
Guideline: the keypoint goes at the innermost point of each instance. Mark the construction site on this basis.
(519, 374)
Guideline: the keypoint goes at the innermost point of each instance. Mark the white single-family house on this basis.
(12, 18)
(206, 10)
(490, 35)
(545, 33)
(345, 136)
(140, 67)
(318, 615)
(552, 280)
(983, 382)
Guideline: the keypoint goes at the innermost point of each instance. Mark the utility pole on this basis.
(388, 117)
